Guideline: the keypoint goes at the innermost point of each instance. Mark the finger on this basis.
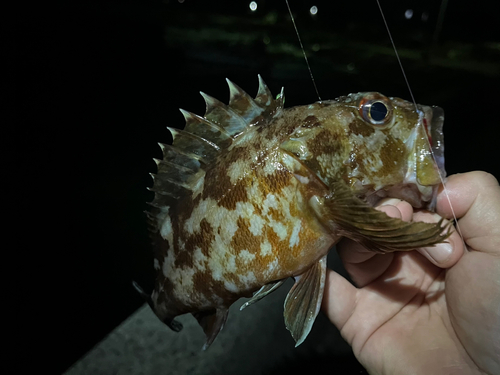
(369, 265)
(475, 198)
(443, 255)
(339, 298)
(352, 252)
(396, 208)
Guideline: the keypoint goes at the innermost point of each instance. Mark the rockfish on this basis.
(252, 193)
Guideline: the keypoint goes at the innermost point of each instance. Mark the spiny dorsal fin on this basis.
(205, 129)
(204, 137)
(265, 99)
(242, 103)
(175, 173)
(222, 115)
(185, 141)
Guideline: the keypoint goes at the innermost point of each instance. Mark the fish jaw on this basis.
(425, 160)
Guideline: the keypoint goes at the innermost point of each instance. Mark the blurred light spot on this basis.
(315, 47)
(313, 10)
(253, 6)
(351, 67)
(409, 14)
(181, 1)
(266, 40)
(425, 16)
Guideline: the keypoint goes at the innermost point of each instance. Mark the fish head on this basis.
(379, 146)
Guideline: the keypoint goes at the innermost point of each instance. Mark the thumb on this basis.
(446, 254)
(474, 198)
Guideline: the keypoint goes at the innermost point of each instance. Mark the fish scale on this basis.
(253, 193)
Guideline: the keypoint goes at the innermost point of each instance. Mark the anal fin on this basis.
(212, 322)
(262, 292)
(173, 324)
(303, 302)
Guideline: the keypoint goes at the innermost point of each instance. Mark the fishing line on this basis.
(420, 124)
(302, 48)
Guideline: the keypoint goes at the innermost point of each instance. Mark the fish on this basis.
(253, 193)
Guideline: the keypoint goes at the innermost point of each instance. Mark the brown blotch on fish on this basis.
(239, 194)
(185, 258)
(331, 144)
(358, 127)
(311, 122)
(202, 239)
(275, 182)
(244, 239)
(392, 155)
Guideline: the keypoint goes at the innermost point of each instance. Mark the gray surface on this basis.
(254, 341)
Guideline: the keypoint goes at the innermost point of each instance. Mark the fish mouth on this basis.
(419, 196)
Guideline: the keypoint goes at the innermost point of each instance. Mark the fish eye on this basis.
(376, 111)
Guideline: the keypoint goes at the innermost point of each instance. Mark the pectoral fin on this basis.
(344, 214)
(303, 302)
(212, 322)
(348, 215)
(262, 292)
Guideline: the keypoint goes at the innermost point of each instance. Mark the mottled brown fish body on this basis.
(251, 194)
(248, 224)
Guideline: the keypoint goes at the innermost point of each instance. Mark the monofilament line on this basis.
(417, 110)
(303, 51)
(397, 55)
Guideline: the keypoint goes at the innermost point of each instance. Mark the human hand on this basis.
(440, 315)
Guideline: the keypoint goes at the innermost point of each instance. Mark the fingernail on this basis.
(440, 253)
(389, 202)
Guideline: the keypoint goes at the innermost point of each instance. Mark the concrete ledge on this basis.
(254, 341)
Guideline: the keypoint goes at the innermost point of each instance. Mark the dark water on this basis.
(97, 83)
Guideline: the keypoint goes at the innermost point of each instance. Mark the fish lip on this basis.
(434, 117)
(420, 197)
(437, 138)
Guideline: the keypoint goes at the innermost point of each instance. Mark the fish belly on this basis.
(229, 246)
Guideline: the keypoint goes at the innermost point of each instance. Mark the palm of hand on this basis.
(397, 312)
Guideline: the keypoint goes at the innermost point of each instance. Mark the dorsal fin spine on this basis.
(175, 165)
(189, 116)
(242, 103)
(165, 177)
(161, 192)
(235, 91)
(190, 155)
(178, 132)
(264, 96)
(236, 126)
(205, 129)
(281, 97)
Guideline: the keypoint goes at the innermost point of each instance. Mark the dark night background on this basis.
(96, 83)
